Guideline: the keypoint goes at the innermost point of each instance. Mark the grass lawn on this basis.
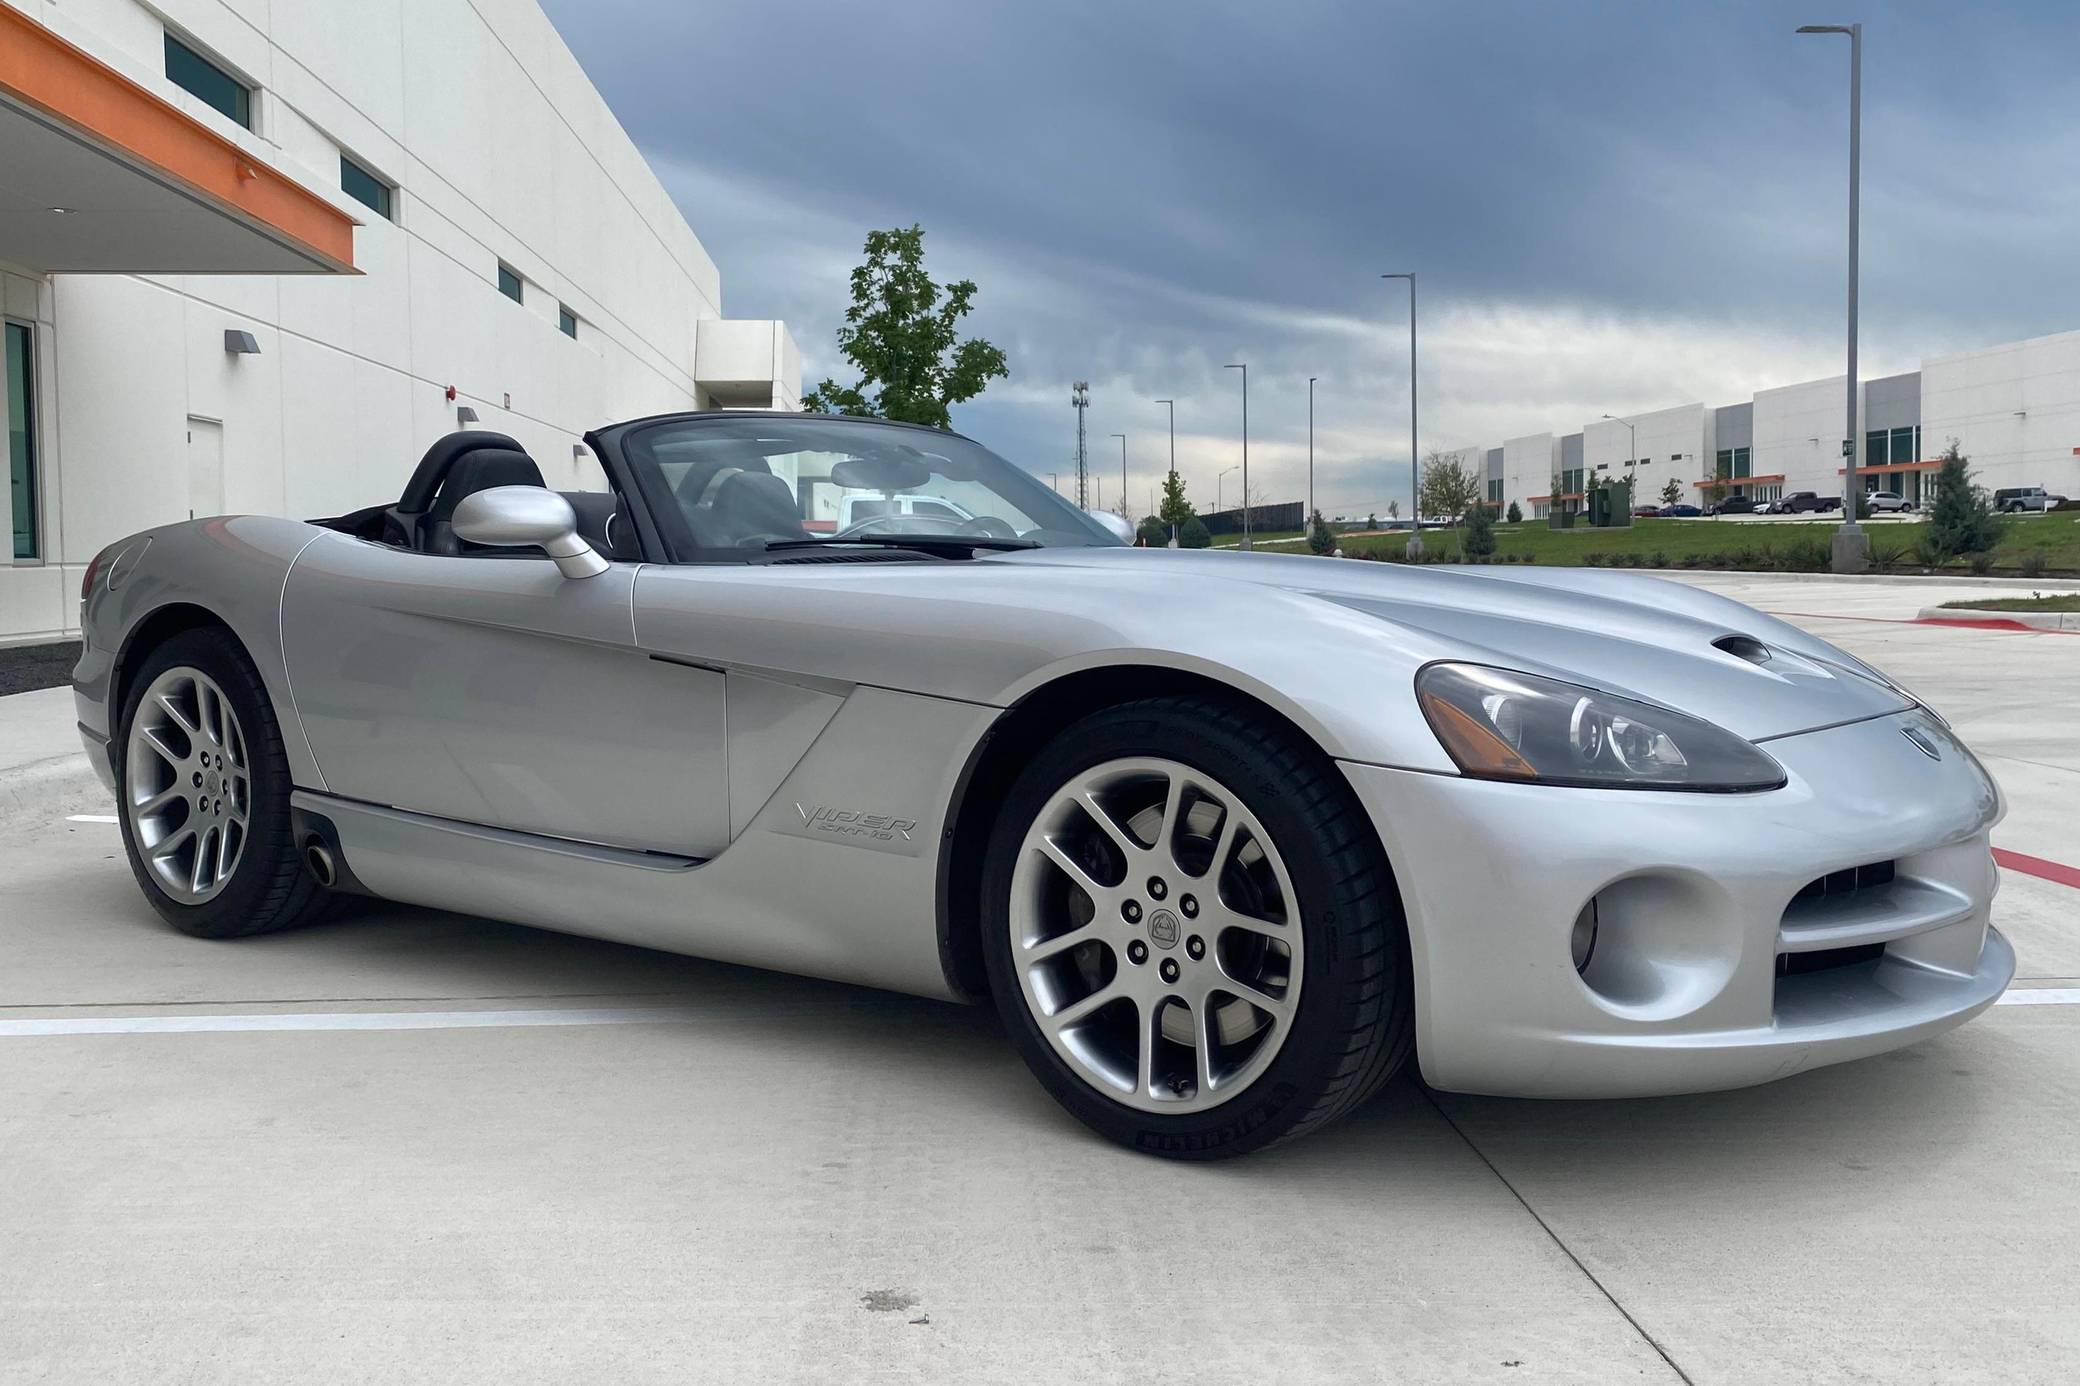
(2061, 601)
(2047, 543)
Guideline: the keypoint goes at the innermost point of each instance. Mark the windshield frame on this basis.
(660, 517)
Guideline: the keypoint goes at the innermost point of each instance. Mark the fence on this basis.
(1285, 515)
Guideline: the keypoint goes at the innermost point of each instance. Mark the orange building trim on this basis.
(43, 71)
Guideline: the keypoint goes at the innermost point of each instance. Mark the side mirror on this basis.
(510, 517)
(1115, 524)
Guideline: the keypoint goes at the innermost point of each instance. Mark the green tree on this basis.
(1319, 537)
(1962, 520)
(1193, 534)
(1479, 539)
(1174, 509)
(1671, 492)
(1516, 513)
(900, 333)
(1449, 485)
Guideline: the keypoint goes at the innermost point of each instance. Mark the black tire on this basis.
(268, 889)
(1353, 1027)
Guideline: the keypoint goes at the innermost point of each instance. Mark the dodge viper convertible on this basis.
(1225, 837)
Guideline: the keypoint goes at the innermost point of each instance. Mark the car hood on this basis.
(1660, 641)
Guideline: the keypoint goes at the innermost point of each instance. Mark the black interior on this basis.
(461, 464)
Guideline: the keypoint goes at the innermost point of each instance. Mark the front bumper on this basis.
(1709, 970)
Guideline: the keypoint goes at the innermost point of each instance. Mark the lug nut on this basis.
(1156, 889)
(1131, 911)
(1137, 952)
(1190, 905)
(198, 779)
(1195, 946)
(1170, 969)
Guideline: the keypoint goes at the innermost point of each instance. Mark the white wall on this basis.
(1671, 444)
(1528, 464)
(1798, 432)
(2013, 409)
(501, 150)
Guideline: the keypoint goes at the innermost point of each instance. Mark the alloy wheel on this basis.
(187, 785)
(1156, 935)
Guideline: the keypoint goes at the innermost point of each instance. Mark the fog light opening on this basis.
(1583, 940)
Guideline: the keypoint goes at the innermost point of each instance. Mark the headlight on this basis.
(1501, 725)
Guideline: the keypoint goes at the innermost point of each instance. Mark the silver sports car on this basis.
(1223, 836)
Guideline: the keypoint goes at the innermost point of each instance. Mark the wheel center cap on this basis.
(212, 783)
(1163, 929)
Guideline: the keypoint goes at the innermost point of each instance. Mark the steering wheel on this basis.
(987, 527)
(899, 524)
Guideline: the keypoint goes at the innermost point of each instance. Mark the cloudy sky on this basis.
(1613, 207)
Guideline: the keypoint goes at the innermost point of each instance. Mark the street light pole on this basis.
(1217, 486)
(1308, 522)
(1631, 464)
(1171, 404)
(1244, 368)
(1852, 547)
(1415, 464)
(1122, 468)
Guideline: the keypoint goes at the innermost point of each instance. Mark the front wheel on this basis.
(1191, 931)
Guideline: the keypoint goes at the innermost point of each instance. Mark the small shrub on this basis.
(1979, 562)
(1516, 513)
(1689, 560)
(1746, 558)
(1531, 558)
(1592, 559)
(1658, 559)
(1886, 554)
(2032, 562)
(1930, 550)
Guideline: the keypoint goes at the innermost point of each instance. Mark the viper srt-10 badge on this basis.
(855, 826)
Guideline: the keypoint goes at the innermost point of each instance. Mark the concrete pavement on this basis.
(797, 1181)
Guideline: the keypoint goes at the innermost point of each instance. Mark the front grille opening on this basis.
(1827, 959)
(1850, 878)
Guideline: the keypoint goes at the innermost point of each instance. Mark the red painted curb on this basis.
(2057, 872)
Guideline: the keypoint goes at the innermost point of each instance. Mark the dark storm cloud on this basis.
(1611, 206)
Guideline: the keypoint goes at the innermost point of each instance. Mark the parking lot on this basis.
(409, 1146)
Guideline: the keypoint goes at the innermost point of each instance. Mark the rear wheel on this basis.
(203, 789)
(1191, 931)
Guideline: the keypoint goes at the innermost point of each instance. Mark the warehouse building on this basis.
(254, 258)
(2013, 409)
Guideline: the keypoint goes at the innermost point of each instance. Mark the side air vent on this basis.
(1744, 647)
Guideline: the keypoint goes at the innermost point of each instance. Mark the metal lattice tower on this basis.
(1080, 396)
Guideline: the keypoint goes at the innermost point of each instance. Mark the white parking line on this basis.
(2040, 996)
(90, 818)
(344, 1020)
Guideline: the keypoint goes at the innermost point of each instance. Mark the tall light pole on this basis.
(1631, 464)
(1308, 522)
(1217, 485)
(1122, 467)
(1415, 464)
(1171, 404)
(1852, 547)
(1244, 368)
(1054, 479)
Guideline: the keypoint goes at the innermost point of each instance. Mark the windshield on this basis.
(743, 483)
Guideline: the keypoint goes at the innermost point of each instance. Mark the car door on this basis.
(491, 689)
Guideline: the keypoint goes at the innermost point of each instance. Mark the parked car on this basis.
(1645, 512)
(1678, 512)
(2013, 500)
(1887, 503)
(1805, 503)
(1734, 505)
(1215, 832)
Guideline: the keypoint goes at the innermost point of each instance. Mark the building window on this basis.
(1733, 462)
(509, 283)
(21, 438)
(566, 322)
(1882, 446)
(208, 83)
(364, 187)
(1495, 490)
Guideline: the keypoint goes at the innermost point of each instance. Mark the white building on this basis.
(255, 257)
(2014, 410)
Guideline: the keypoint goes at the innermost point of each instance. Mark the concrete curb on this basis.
(2001, 620)
(45, 791)
(1941, 579)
